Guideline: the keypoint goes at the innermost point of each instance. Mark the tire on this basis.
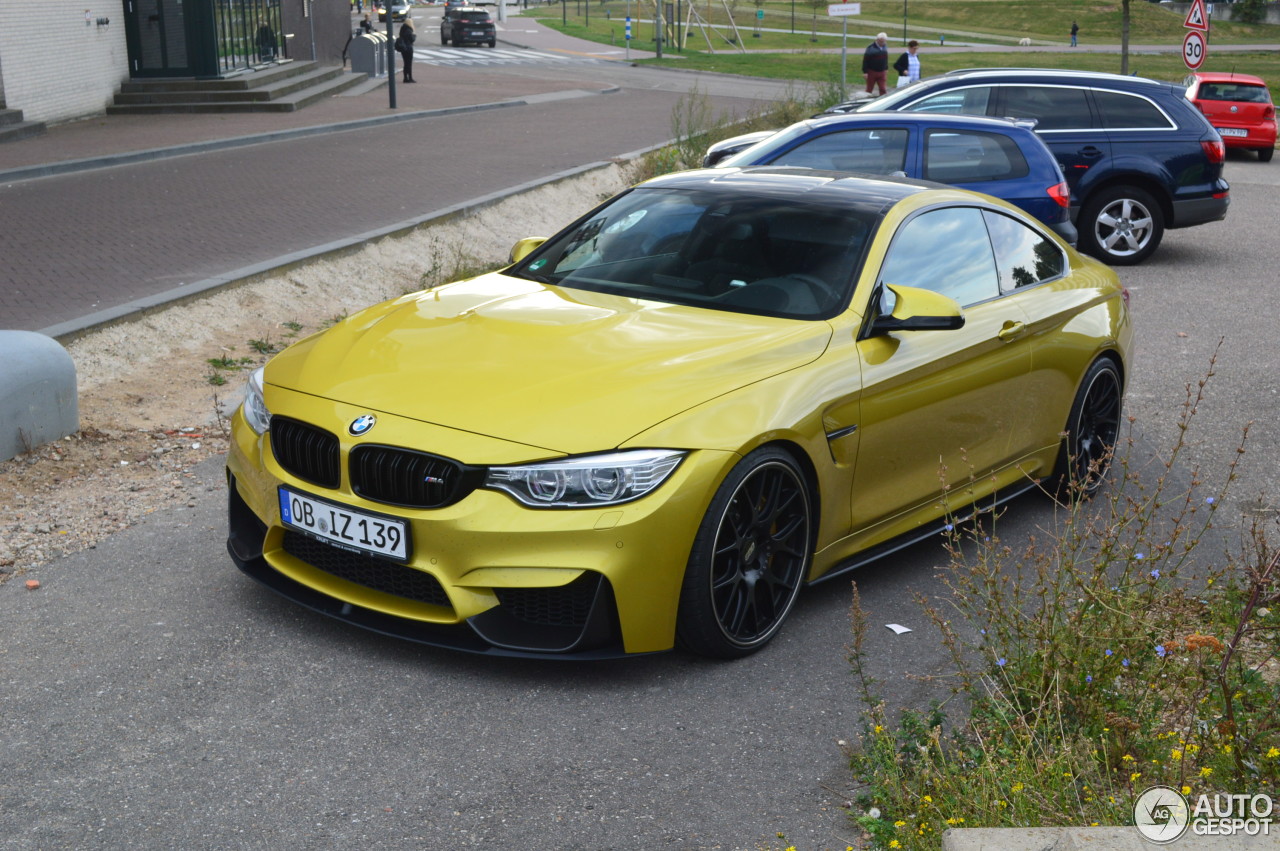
(1093, 427)
(493, 43)
(1121, 225)
(444, 39)
(1265, 154)
(749, 558)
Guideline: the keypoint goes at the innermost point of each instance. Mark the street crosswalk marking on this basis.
(490, 56)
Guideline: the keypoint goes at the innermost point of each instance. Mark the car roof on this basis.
(1054, 75)
(864, 194)
(932, 119)
(1227, 77)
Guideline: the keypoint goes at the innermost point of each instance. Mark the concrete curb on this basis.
(1097, 838)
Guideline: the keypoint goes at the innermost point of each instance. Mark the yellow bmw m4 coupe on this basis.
(653, 428)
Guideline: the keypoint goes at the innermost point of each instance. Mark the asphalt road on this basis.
(152, 697)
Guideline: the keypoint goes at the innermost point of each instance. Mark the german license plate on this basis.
(477, 33)
(345, 527)
(1232, 131)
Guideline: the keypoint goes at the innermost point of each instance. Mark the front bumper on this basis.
(485, 575)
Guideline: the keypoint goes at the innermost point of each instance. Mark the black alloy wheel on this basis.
(1092, 429)
(749, 559)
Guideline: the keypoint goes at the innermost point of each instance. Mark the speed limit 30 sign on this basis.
(1193, 49)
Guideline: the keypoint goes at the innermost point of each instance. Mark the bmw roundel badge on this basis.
(361, 424)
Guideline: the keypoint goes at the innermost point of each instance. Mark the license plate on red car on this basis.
(1232, 131)
(345, 527)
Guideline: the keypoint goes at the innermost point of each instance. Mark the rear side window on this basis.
(967, 156)
(1053, 107)
(1024, 257)
(1129, 112)
(875, 150)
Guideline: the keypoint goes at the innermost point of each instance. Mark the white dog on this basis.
(1026, 42)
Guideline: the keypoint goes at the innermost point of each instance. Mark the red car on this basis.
(1239, 107)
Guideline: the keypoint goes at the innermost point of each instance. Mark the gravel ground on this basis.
(148, 411)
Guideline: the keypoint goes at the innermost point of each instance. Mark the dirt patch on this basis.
(148, 410)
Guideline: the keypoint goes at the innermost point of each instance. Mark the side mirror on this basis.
(916, 309)
(525, 247)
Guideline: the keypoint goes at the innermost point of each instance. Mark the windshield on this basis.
(741, 253)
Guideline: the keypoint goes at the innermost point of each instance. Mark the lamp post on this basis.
(904, 21)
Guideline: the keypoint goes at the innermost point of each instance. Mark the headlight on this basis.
(590, 480)
(255, 406)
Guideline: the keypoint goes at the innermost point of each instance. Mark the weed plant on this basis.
(1112, 653)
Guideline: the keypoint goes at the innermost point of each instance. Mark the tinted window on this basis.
(1242, 92)
(872, 150)
(946, 251)
(1121, 111)
(474, 17)
(969, 101)
(1053, 107)
(966, 156)
(1023, 256)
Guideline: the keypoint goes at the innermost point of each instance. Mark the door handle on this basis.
(1011, 330)
(1090, 152)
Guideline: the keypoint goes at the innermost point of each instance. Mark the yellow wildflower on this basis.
(1206, 771)
(1186, 790)
(893, 843)
(928, 799)
(1017, 787)
(1273, 753)
(1175, 754)
(1134, 776)
(879, 728)
(1127, 758)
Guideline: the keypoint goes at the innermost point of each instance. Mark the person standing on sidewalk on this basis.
(1075, 29)
(908, 65)
(875, 63)
(404, 44)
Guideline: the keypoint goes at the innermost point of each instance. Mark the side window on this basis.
(967, 156)
(1053, 107)
(1129, 112)
(1023, 256)
(875, 150)
(946, 251)
(968, 101)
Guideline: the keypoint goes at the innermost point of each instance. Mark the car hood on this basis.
(565, 370)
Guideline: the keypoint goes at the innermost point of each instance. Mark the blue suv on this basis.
(1139, 158)
(986, 155)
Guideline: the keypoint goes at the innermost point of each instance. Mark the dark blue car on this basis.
(992, 156)
(1138, 156)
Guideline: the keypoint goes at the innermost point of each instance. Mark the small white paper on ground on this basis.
(898, 628)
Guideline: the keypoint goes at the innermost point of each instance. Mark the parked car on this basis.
(657, 425)
(1137, 156)
(988, 155)
(1239, 107)
(467, 25)
(399, 10)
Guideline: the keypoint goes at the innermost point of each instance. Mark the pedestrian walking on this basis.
(1075, 29)
(404, 44)
(908, 65)
(875, 63)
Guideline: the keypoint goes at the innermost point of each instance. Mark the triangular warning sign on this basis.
(1198, 17)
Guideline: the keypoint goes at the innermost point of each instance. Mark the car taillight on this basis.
(1216, 151)
(1268, 113)
(1061, 194)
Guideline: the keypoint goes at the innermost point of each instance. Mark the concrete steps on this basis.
(13, 127)
(281, 88)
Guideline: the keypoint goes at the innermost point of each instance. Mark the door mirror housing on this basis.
(916, 309)
(525, 247)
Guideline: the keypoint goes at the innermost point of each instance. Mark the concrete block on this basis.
(38, 401)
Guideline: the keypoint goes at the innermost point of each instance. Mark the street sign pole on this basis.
(843, 11)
